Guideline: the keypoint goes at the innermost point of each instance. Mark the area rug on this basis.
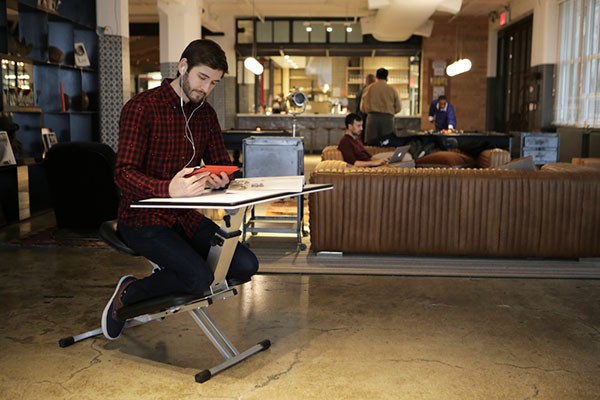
(57, 237)
(280, 256)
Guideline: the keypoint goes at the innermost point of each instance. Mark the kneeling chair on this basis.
(224, 243)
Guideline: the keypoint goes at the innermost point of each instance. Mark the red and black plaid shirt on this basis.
(153, 148)
(353, 150)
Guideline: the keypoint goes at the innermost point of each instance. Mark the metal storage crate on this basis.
(274, 156)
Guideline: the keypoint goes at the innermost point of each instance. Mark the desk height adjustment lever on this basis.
(227, 219)
(220, 235)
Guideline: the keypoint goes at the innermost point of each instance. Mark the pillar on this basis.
(112, 18)
(180, 22)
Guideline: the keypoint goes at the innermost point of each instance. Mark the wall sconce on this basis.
(328, 27)
(458, 67)
(348, 27)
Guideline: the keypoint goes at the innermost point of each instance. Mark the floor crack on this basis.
(92, 362)
(534, 367)
(278, 375)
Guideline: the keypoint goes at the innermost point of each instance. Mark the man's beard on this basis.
(189, 93)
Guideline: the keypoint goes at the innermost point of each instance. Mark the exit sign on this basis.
(504, 17)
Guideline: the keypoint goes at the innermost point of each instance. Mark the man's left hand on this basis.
(215, 181)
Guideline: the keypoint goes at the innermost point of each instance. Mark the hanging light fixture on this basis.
(251, 63)
(458, 67)
(462, 64)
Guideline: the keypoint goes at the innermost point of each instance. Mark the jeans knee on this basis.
(246, 263)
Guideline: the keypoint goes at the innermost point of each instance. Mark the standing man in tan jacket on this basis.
(380, 102)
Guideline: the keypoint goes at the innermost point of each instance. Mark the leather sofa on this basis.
(486, 159)
(552, 212)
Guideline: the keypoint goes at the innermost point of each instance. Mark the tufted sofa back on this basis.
(553, 212)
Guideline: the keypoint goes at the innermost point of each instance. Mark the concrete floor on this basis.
(333, 337)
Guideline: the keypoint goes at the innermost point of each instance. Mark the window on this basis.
(578, 82)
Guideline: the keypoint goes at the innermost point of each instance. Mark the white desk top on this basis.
(220, 199)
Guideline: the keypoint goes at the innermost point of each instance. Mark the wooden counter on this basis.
(318, 130)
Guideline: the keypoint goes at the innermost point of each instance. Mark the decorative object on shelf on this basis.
(48, 139)
(81, 57)
(19, 47)
(51, 5)
(84, 103)
(63, 107)
(6, 154)
(15, 45)
(55, 54)
(17, 83)
(67, 102)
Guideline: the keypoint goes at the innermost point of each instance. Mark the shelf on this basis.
(55, 16)
(29, 32)
(32, 110)
(67, 66)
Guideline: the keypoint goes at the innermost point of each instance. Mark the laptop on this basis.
(399, 154)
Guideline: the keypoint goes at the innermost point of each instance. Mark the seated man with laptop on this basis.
(355, 153)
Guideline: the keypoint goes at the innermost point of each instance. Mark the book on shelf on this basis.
(291, 184)
(7, 157)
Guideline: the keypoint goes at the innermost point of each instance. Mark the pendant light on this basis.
(460, 66)
(251, 63)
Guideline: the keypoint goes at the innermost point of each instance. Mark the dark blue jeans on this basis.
(183, 264)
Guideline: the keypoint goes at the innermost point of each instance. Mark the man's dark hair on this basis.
(350, 118)
(382, 73)
(205, 52)
(442, 97)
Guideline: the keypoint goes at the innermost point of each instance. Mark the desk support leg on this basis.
(300, 222)
(219, 257)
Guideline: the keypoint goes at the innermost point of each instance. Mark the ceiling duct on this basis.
(415, 17)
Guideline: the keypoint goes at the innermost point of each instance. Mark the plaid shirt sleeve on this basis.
(131, 159)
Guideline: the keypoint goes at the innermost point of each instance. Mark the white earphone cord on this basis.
(188, 131)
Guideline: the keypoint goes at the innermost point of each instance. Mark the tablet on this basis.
(214, 169)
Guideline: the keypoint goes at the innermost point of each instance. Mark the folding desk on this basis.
(219, 258)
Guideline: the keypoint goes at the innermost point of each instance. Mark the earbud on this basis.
(182, 71)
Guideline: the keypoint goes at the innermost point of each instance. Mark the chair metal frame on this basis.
(219, 258)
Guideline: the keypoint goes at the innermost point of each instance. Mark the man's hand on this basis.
(381, 161)
(217, 181)
(180, 186)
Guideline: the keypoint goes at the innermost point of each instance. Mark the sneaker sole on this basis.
(107, 308)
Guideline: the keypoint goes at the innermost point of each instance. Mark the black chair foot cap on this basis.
(265, 344)
(65, 342)
(203, 376)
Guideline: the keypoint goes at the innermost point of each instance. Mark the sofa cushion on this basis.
(446, 158)
(522, 164)
(491, 158)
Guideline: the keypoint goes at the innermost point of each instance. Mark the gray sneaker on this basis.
(111, 326)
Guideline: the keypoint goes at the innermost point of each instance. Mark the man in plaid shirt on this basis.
(163, 133)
